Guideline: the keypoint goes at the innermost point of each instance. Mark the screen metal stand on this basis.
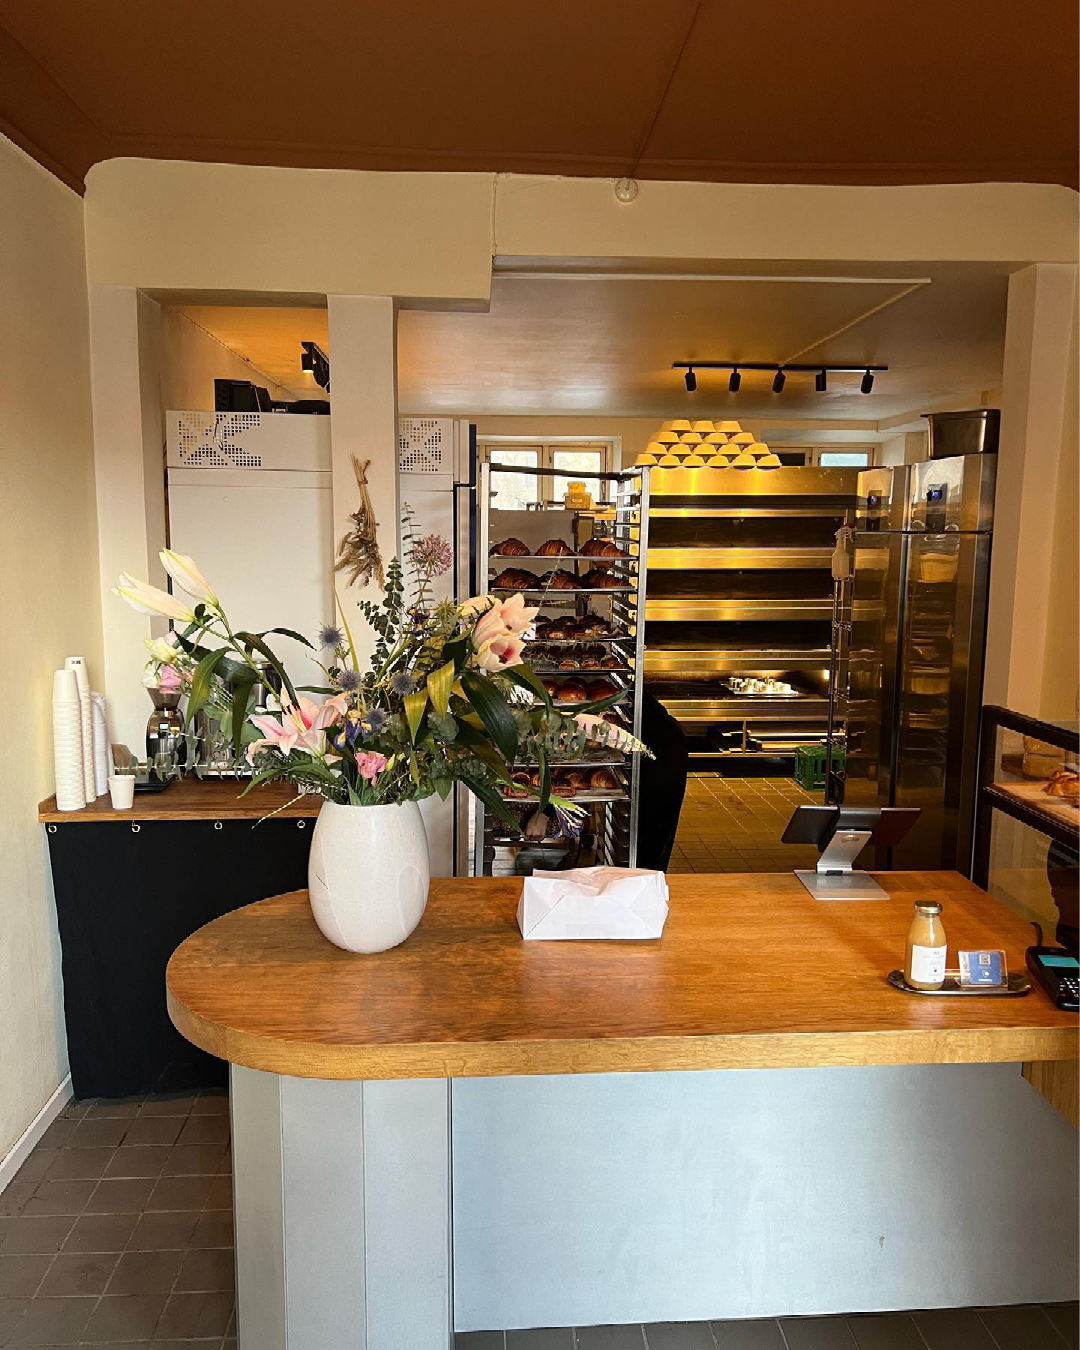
(834, 878)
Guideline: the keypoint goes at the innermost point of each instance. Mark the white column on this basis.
(363, 422)
(130, 483)
(1032, 587)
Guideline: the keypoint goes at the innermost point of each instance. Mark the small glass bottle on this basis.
(924, 962)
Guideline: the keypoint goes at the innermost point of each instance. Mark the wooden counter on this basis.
(193, 799)
(751, 973)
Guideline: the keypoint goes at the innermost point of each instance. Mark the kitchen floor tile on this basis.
(162, 1232)
(751, 1334)
(96, 1132)
(146, 1272)
(84, 1273)
(51, 1321)
(204, 1130)
(220, 1194)
(193, 1160)
(11, 1311)
(479, 1340)
(214, 1229)
(679, 1336)
(124, 1108)
(35, 1236)
(885, 1331)
(137, 1162)
(114, 1195)
(79, 1164)
(947, 1328)
(195, 1316)
(817, 1333)
(543, 1338)
(59, 1197)
(179, 1193)
(101, 1233)
(1021, 1328)
(126, 1317)
(630, 1337)
(168, 1105)
(21, 1275)
(59, 1132)
(14, 1197)
(211, 1104)
(1066, 1317)
(153, 1130)
(212, 1269)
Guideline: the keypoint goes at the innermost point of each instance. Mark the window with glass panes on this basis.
(514, 492)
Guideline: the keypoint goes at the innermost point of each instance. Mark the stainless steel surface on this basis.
(715, 609)
(1017, 985)
(974, 432)
(796, 482)
(912, 631)
(737, 559)
(166, 739)
(841, 886)
(734, 660)
(841, 851)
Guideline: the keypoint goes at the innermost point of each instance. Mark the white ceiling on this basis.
(602, 345)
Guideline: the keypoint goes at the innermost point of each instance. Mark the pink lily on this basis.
(302, 725)
(501, 652)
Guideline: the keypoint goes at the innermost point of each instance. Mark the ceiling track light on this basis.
(779, 371)
(734, 381)
(867, 383)
(691, 380)
(821, 380)
(779, 380)
(314, 360)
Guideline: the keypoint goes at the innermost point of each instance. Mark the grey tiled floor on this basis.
(1052, 1327)
(117, 1230)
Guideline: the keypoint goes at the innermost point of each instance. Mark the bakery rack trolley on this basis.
(622, 517)
(1003, 784)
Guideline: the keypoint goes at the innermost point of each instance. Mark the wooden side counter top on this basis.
(194, 799)
(751, 972)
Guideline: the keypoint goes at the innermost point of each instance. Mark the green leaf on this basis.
(494, 712)
(492, 800)
(241, 700)
(480, 745)
(545, 777)
(442, 786)
(201, 681)
(415, 703)
(527, 678)
(254, 642)
(290, 632)
(596, 706)
(439, 684)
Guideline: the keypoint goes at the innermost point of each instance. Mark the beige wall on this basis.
(49, 603)
(191, 360)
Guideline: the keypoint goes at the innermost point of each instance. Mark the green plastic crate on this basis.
(810, 765)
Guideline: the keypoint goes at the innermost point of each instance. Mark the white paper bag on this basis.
(593, 902)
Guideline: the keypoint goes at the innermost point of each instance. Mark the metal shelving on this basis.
(611, 827)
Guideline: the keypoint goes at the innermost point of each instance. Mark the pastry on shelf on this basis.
(606, 550)
(510, 548)
(573, 691)
(575, 778)
(558, 631)
(559, 580)
(590, 661)
(554, 548)
(519, 787)
(568, 663)
(552, 687)
(601, 689)
(603, 780)
(1064, 783)
(597, 579)
(562, 787)
(514, 579)
(611, 663)
(592, 625)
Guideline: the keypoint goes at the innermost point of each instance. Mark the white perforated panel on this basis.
(247, 440)
(216, 440)
(425, 445)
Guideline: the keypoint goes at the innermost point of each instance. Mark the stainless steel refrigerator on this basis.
(908, 647)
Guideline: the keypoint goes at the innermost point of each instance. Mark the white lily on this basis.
(147, 599)
(162, 649)
(187, 575)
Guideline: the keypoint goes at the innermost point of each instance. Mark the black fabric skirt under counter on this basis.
(127, 894)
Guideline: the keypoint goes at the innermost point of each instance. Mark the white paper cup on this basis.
(122, 791)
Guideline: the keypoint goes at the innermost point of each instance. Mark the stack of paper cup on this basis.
(101, 744)
(86, 715)
(68, 742)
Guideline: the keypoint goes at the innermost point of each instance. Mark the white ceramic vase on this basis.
(368, 874)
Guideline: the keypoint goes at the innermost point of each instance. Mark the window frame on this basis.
(548, 446)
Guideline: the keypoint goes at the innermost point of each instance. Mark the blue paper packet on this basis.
(982, 969)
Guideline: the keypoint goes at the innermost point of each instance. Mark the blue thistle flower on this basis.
(375, 720)
(401, 683)
(331, 636)
(348, 681)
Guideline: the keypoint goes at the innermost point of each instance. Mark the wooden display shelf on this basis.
(465, 996)
(1031, 797)
(193, 799)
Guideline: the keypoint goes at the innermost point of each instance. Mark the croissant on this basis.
(1065, 784)
(593, 626)
(519, 787)
(575, 778)
(563, 787)
(603, 780)
(597, 579)
(560, 580)
(511, 548)
(601, 689)
(514, 579)
(554, 548)
(572, 692)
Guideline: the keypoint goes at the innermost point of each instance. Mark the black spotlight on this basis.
(734, 381)
(821, 381)
(691, 381)
(867, 382)
(779, 380)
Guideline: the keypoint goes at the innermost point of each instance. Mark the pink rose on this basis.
(369, 764)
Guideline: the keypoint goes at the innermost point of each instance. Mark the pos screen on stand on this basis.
(840, 834)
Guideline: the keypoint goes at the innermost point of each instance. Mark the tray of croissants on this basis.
(574, 658)
(600, 554)
(591, 628)
(587, 783)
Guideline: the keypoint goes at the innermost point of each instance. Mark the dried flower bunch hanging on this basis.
(358, 553)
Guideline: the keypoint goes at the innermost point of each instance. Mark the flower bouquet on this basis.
(444, 697)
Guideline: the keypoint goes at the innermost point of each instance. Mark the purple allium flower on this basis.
(375, 720)
(331, 636)
(401, 683)
(432, 554)
(348, 681)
